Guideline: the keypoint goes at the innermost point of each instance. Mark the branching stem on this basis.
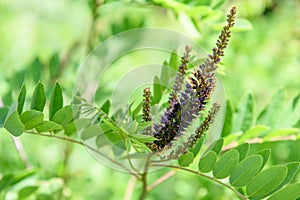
(205, 176)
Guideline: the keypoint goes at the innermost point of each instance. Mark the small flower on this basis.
(199, 132)
(186, 106)
(146, 108)
(180, 75)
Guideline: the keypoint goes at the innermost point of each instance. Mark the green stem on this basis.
(205, 176)
(144, 179)
(92, 31)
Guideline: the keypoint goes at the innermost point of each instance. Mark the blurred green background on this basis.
(48, 40)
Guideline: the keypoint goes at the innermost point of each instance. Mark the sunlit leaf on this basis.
(27, 191)
(228, 119)
(246, 170)
(142, 138)
(244, 115)
(215, 146)
(290, 192)
(21, 99)
(266, 181)
(63, 116)
(38, 98)
(270, 115)
(3, 114)
(252, 133)
(265, 153)
(31, 118)
(105, 107)
(90, 132)
(12, 179)
(186, 159)
(174, 60)
(281, 133)
(292, 170)
(195, 150)
(48, 126)
(207, 162)
(14, 125)
(157, 90)
(56, 101)
(225, 165)
(54, 64)
(243, 150)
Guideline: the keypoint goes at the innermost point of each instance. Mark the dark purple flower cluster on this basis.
(187, 105)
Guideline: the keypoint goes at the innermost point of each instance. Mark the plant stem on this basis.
(144, 179)
(92, 31)
(144, 187)
(89, 147)
(161, 179)
(205, 176)
(130, 188)
(21, 151)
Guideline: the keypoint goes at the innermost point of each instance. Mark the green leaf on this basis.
(7, 98)
(231, 138)
(70, 129)
(253, 132)
(136, 111)
(44, 197)
(270, 115)
(38, 98)
(56, 101)
(54, 65)
(16, 80)
(228, 119)
(110, 138)
(266, 181)
(76, 126)
(106, 106)
(225, 166)
(157, 91)
(14, 125)
(207, 162)
(142, 138)
(216, 4)
(244, 115)
(215, 146)
(265, 153)
(174, 60)
(63, 116)
(90, 132)
(186, 159)
(3, 114)
(291, 114)
(21, 99)
(167, 75)
(31, 119)
(292, 170)
(195, 150)
(12, 179)
(246, 170)
(243, 150)
(27, 191)
(280, 133)
(35, 69)
(290, 192)
(48, 126)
